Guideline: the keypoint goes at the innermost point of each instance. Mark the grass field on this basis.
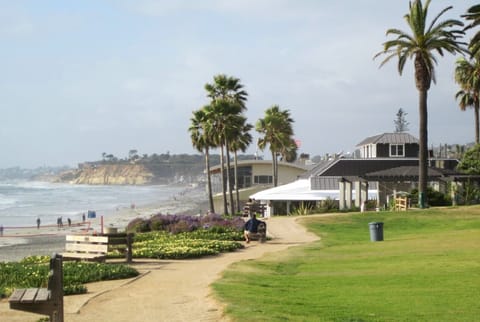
(427, 269)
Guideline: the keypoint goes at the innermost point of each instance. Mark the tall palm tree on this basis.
(277, 130)
(420, 45)
(240, 142)
(473, 14)
(226, 90)
(467, 75)
(201, 140)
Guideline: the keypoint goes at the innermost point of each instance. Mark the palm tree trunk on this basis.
(423, 153)
(229, 181)
(209, 181)
(274, 168)
(477, 122)
(224, 186)
(236, 182)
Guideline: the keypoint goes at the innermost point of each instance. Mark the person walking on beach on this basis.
(38, 223)
(1, 230)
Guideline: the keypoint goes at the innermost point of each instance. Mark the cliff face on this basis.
(117, 174)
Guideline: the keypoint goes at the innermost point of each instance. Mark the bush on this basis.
(176, 224)
(434, 198)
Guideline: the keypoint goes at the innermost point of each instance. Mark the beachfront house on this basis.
(382, 166)
(254, 176)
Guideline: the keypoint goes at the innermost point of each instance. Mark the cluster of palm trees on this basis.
(221, 124)
(420, 44)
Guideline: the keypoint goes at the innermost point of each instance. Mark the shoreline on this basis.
(19, 242)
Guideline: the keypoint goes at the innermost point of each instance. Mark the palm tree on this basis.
(277, 131)
(474, 14)
(467, 75)
(224, 91)
(199, 133)
(439, 36)
(240, 141)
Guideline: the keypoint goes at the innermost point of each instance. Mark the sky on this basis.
(83, 78)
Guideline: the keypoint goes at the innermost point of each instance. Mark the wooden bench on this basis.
(261, 234)
(122, 243)
(83, 247)
(254, 208)
(46, 301)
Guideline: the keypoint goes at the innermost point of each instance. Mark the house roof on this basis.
(391, 138)
(242, 163)
(404, 173)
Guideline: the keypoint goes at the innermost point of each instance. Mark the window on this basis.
(262, 179)
(397, 150)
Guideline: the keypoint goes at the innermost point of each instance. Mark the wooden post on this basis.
(55, 285)
(128, 253)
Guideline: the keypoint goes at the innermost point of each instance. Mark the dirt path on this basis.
(168, 290)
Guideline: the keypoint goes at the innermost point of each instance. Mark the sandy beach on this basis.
(169, 290)
(19, 242)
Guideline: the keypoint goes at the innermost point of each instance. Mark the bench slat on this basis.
(87, 239)
(87, 248)
(29, 295)
(17, 295)
(43, 295)
(83, 255)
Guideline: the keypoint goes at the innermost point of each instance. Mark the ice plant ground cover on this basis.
(183, 236)
(33, 272)
(426, 269)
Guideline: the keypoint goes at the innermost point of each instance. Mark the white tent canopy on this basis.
(300, 190)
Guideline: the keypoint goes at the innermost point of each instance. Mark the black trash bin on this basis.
(376, 231)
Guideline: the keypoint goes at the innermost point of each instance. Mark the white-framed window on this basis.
(397, 150)
(262, 179)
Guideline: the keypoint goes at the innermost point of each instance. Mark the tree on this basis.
(420, 45)
(401, 124)
(201, 140)
(467, 75)
(470, 162)
(473, 14)
(240, 142)
(227, 100)
(277, 130)
(132, 154)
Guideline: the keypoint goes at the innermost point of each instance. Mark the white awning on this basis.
(300, 190)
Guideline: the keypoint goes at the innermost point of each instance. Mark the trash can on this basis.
(376, 231)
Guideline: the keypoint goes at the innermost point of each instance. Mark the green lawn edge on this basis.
(426, 269)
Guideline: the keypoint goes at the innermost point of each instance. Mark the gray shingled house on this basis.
(383, 165)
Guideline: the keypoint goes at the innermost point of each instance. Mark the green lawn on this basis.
(427, 269)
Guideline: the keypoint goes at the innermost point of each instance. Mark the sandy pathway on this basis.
(168, 290)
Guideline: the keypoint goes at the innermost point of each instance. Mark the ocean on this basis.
(22, 202)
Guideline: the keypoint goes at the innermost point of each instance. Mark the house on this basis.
(253, 176)
(382, 165)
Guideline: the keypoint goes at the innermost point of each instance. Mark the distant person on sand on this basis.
(83, 217)
(251, 226)
(69, 222)
(38, 223)
(1, 230)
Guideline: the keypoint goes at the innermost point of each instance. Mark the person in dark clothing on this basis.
(251, 226)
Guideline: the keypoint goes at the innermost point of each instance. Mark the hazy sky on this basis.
(79, 78)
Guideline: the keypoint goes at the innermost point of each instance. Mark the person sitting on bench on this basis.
(251, 227)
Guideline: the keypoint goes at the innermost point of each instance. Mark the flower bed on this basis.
(32, 272)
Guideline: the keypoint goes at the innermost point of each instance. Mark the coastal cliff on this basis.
(114, 174)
